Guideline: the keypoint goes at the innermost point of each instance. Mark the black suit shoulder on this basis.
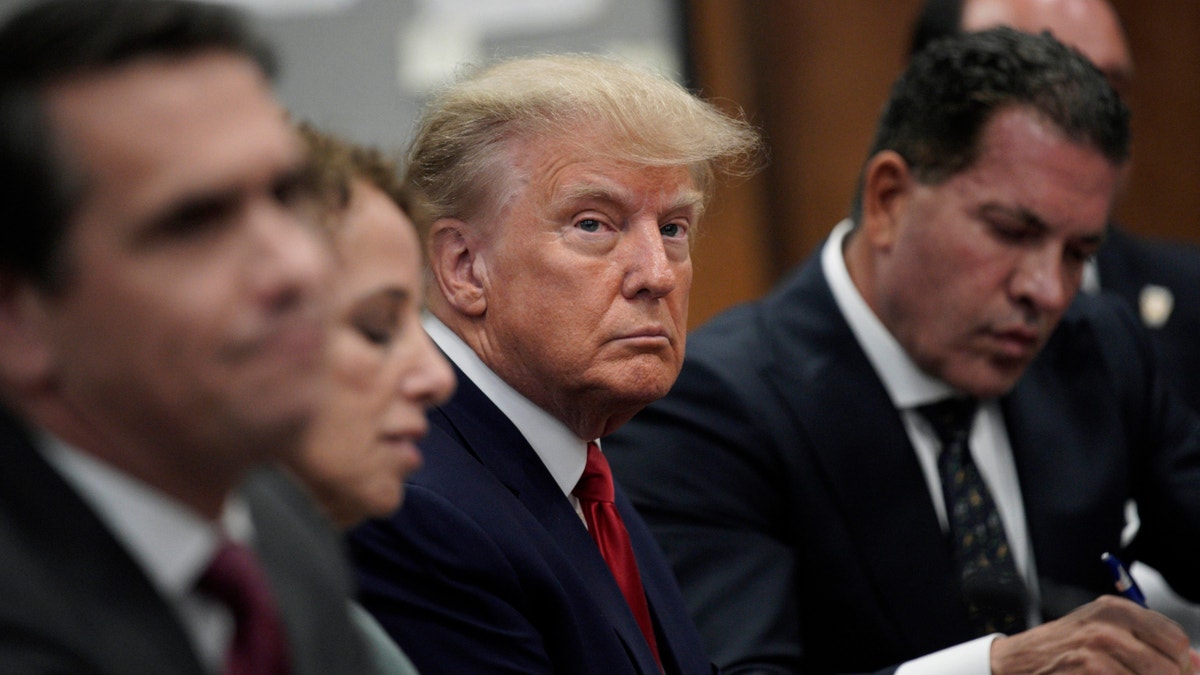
(1160, 281)
(75, 601)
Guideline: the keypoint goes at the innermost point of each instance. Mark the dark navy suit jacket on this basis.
(781, 483)
(1128, 265)
(487, 568)
(72, 600)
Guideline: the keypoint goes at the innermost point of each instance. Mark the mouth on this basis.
(404, 446)
(650, 335)
(301, 340)
(1017, 343)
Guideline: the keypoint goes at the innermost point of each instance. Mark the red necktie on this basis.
(595, 494)
(235, 579)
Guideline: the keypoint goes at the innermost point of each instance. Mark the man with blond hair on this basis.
(561, 196)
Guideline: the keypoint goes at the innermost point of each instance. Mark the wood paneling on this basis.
(1163, 195)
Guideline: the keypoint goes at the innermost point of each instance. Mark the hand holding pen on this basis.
(1124, 582)
(1105, 635)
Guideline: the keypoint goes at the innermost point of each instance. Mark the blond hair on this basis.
(455, 162)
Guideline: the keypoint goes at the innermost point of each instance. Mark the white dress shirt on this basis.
(563, 453)
(909, 387)
(171, 542)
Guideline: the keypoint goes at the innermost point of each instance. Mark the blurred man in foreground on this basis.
(161, 336)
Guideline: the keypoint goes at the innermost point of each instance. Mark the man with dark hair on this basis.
(1159, 279)
(161, 337)
(918, 446)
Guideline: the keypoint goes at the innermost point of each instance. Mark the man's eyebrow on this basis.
(1032, 220)
(619, 194)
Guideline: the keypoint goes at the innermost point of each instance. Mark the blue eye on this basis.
(670, 229)
(588, 225)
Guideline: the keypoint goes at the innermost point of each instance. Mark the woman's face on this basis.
(385, 371)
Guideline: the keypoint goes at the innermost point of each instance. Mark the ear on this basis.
(458, 271)
(887, 186)
(25, 355)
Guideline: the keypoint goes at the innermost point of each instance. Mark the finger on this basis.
(1165, 636)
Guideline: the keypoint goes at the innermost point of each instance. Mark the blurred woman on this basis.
(385, 370)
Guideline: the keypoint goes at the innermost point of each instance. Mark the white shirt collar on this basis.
(171, 542)
(563, 453)
(906, 384)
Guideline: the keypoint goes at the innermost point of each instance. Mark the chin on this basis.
(989, 385)
(637, 395)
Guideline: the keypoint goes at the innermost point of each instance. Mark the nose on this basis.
(1043, 282)
(291, 261)
(649, 271)
(429, 380)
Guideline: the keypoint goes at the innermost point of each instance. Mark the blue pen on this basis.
(1125, 584)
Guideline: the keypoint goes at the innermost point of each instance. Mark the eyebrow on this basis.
(204, 205)
(619, 194)
(1033, 220)
(400, 295)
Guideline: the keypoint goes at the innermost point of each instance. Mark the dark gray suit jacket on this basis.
(780, 481)
(72, 600)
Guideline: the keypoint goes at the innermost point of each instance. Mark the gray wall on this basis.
(363, 72)
(362, 67)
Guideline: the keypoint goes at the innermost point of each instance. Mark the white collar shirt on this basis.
(909, 387)
(171, 542)
(562, 452)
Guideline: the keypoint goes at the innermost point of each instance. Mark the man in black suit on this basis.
(820, 510)
(560, 196)
(1159, 279)
(161, 337)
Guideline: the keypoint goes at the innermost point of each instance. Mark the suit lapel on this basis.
(102, 603)
(1065, 384)
(497, 444)
(869, 466)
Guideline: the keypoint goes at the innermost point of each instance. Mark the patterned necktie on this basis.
(595, 493)
(259, 644)
(992, 589)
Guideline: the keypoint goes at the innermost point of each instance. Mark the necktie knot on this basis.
(950, 418)
(235, 578)
(596, 483)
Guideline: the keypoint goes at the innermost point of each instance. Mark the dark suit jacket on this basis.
(72, 600)
(779, 479)
(487, 568)
(1128, 264)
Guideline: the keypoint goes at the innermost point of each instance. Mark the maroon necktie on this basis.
(595, 494)
(235, 579)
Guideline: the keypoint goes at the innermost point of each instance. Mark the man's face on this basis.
(586, 272)
(191, 322)
(972, 274)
